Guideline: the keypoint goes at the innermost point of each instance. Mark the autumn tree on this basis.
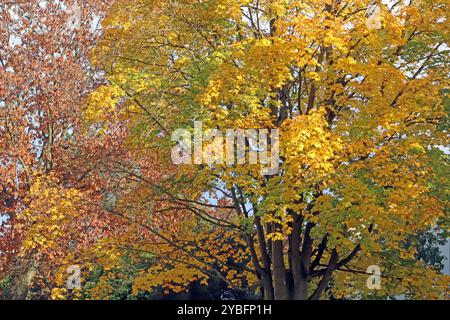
(357, 89)
(44, 75)
(358, 92)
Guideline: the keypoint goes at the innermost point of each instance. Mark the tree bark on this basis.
(295, 258)
(24, 271)
(279, 271)
(268, 287)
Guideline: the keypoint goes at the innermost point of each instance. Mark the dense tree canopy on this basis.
(358, 91)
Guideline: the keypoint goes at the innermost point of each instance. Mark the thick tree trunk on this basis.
(268, 288)
(279, 271)
(300, 285)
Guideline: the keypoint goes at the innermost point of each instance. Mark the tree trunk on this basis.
(268, 288)
(279, 271)
(24, 271)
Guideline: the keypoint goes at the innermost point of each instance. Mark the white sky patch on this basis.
(14, 40)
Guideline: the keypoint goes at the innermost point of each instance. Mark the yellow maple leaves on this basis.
(102, 103)
(357, 107)
(49, 210)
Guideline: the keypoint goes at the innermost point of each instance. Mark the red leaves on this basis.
(43, 79)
